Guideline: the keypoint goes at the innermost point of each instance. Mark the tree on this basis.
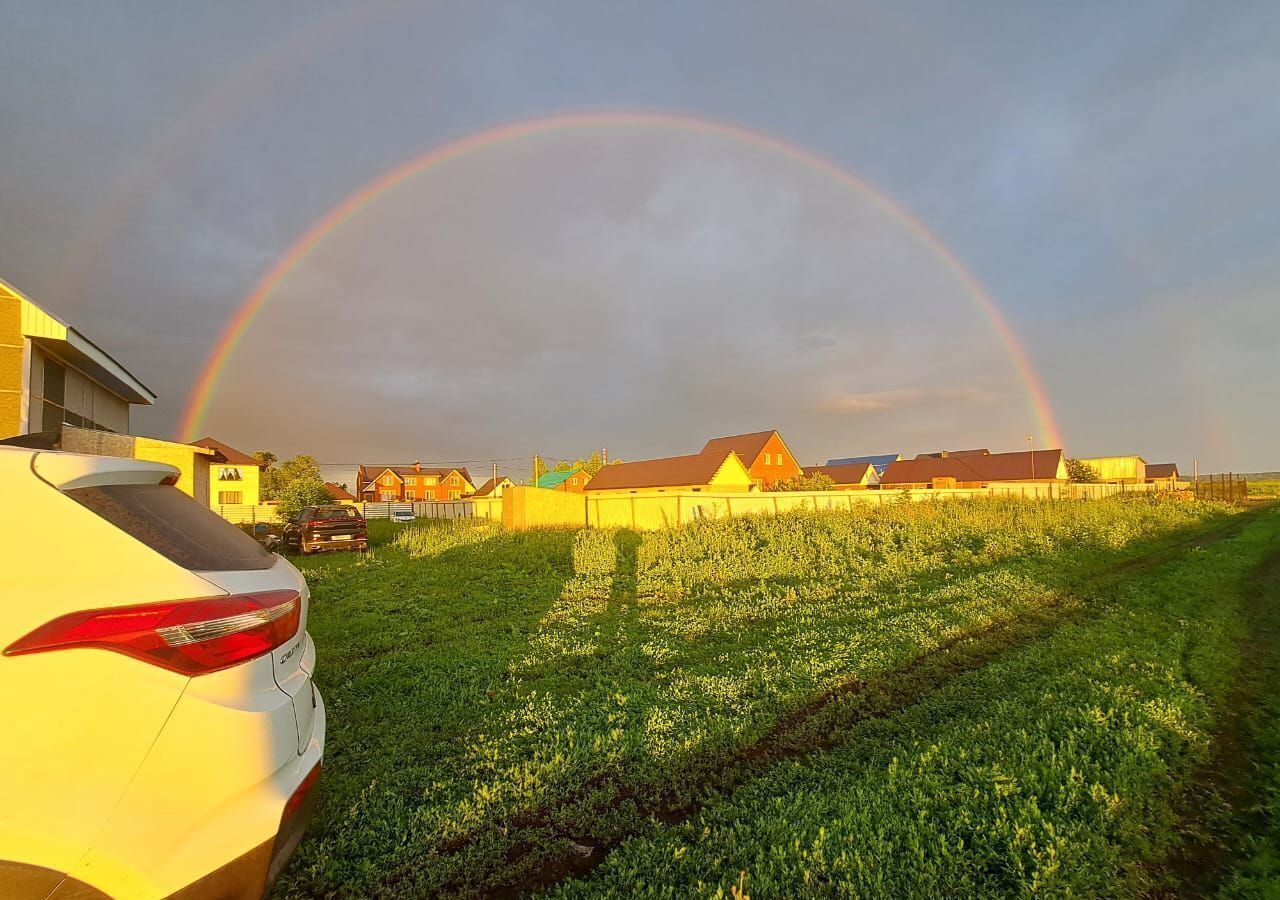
(265, 458)
(591, 465)
(301, 492)
(1082, 473)
(815, 482)
(277, 479)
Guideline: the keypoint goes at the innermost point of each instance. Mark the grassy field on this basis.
(1264, 488)
(991, 697)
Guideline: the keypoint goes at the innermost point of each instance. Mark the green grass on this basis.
(1264, 488)
(1054, 771)
(491, 694)
(1257, 833)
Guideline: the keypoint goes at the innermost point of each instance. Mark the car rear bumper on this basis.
(251, 874)
(320, 546)
(208, 815)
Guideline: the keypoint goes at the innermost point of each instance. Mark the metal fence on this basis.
(1229, 487)
(388, 510)
(481, 508)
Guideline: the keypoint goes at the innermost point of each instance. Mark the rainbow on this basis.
(202, 393)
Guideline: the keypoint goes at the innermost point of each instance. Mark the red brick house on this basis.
(764, 453)
(415, 482)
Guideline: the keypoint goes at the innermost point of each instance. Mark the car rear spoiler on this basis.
(67, 471)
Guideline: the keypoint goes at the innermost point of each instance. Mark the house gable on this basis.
(764, 454)
(731, 473)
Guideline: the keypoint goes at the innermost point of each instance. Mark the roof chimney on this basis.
(417, 466)
(944, 454)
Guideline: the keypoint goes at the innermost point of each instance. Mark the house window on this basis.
(230, 498)
(388, 480)
(388, 495)
(230, 475)
(455, 495)
(53, 390)
(455, 480)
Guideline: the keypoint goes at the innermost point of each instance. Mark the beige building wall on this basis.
(12, 369)
(1119, 469)
(226, 478)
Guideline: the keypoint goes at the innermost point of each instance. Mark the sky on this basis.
(1104, 173)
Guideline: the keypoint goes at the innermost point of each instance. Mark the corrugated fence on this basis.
(522, 508)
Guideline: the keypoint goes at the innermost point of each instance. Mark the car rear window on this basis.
(175, 526)
(335, 512)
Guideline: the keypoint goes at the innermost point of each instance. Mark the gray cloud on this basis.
(645, 288)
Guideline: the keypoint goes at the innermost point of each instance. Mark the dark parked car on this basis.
(266, 535)
(326, 528)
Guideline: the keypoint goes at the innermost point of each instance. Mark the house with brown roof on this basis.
(415, 482)
(764, 453)
(493, 487)
(1162, 474)
(338, 493)
(847, 477)
(706, 471)
(234, 477)
(976, 470)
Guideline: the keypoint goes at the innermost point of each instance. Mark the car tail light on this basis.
(191, 637)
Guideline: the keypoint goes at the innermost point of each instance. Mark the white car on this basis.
(159, 730)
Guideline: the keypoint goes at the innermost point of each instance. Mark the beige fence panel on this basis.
(483, 508)
(241, 513)
(524, 507)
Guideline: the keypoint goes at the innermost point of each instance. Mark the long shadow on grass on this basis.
(415, 655)
(570, 837)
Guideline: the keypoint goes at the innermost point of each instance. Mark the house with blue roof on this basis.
(879, 462)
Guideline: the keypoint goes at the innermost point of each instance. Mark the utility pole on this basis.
(493, 490)
(1031, 443)
(604, 455)
(535, 470)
